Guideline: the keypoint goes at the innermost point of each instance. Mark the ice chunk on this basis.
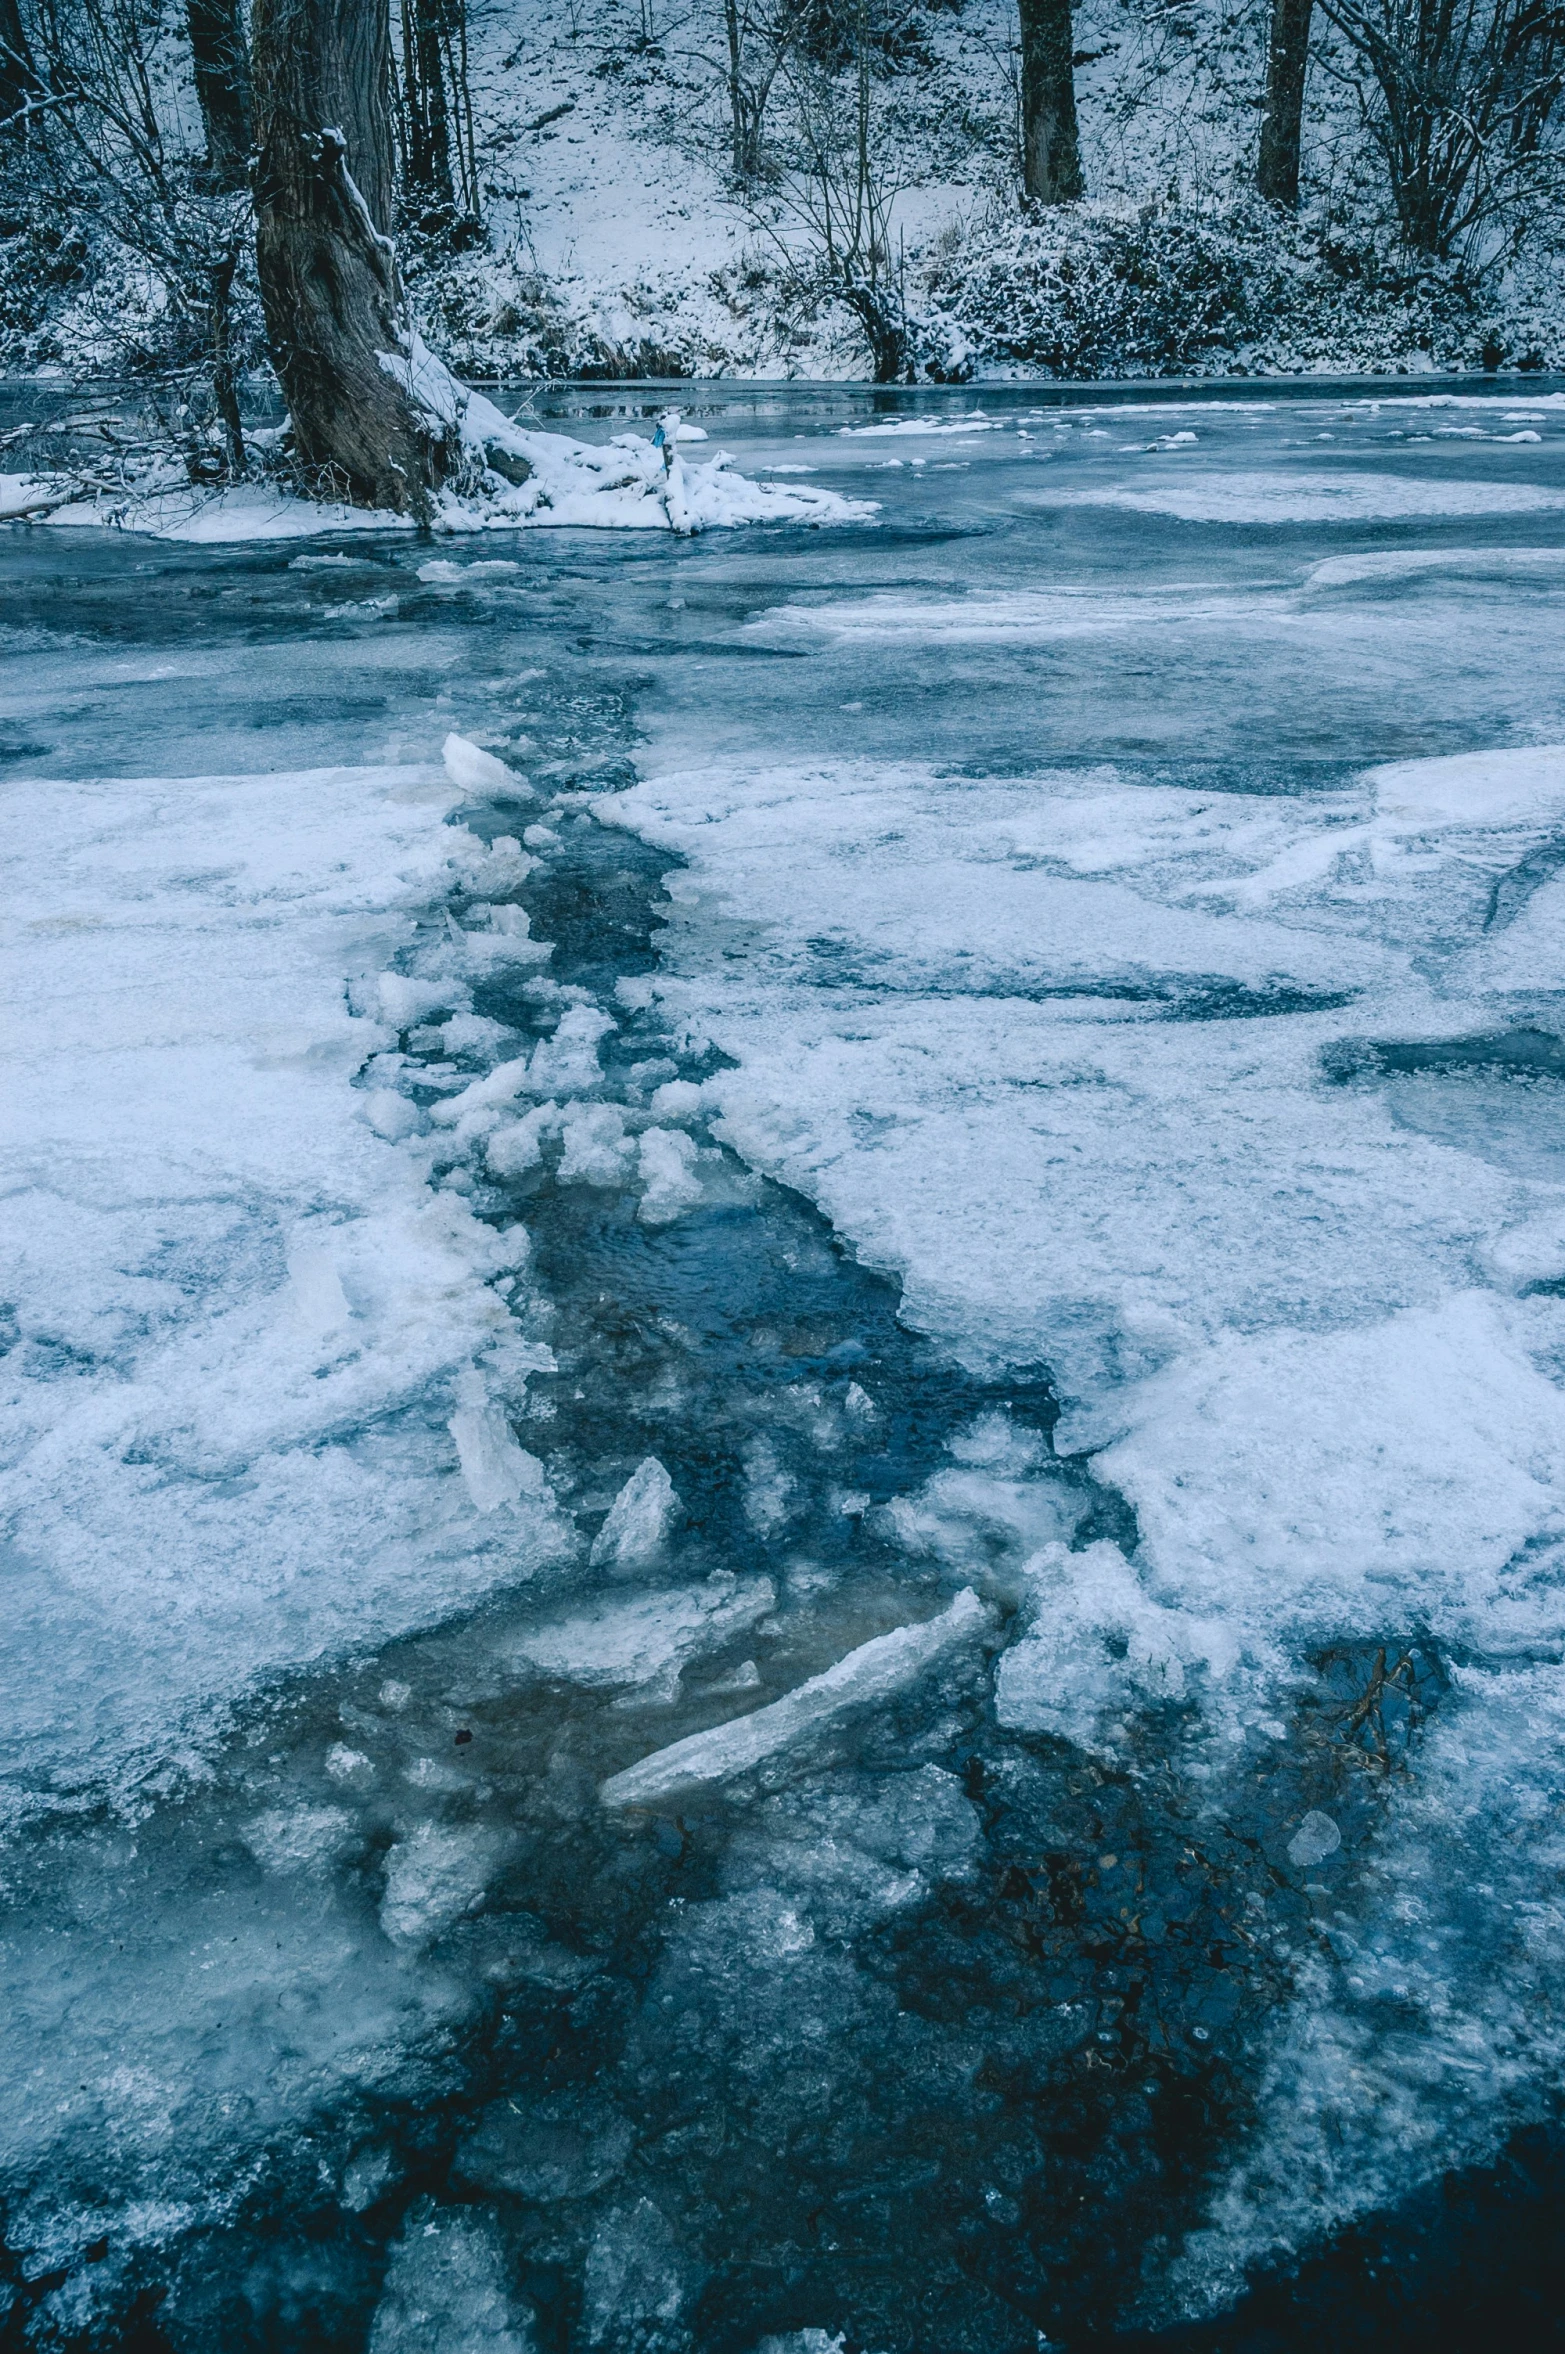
(496, 1469)
(645, 1640)
(366, 2176)
(550, 2146)
(873, 1673)
(389, 1114)
(517, 1147)
(405, 1000)
(447, 2289)
(668, 1164)
(677, 1099)
(634, 2278)
(639, 1520)
(769, 1490)
(477, 771)
(1316, 1838)
(803, 2341)
(1097, 1641)
(1304, 498)
(297, 1839)
(596, 1148)
(474, 1034)
(567, 1063)
(860, 1849)
(444, 574)
(435, 1876)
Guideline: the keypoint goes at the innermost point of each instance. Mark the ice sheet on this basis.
(1238, 1113)
(1239, 497)
(245, 1320)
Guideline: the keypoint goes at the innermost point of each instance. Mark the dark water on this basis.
(693, 2077)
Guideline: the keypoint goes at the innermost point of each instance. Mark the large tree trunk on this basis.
(323, 196)
(222, 63)
(1282, 125)
(1051, 155)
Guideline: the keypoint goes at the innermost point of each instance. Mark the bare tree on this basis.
(221, 60)
(760, 37)
(1458, 96)
(1282, 124)
(19, 81)
(105, 148)
(327, 266)
(440, 163)
(842, 192)
(1051, 150)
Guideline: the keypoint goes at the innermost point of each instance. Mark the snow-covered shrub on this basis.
(1086, 292)
(1089, 290)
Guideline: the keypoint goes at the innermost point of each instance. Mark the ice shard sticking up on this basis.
(639, 1520)
(874, 1672)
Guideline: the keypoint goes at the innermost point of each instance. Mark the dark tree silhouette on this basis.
(1051, 153)
(1282, 125)
(222, 72)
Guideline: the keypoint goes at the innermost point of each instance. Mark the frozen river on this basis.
(785, 1495)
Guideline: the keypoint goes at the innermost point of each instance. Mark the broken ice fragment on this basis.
(668, 1166)
(297, 1839)
(597, 1150)
(633, 2279)
(651, 1637)
(639, 1520)
(563, 2145)
(436, 1876)
(567, 1063)
(350, 1766)
(496, 1469)
(446, 2289)
(874, 1672)
(477, 771)
(1316, 1838)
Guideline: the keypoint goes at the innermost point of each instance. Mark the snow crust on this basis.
(254, 1343)
(1239, 497)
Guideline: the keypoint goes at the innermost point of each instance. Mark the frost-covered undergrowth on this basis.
(1244, 1113)
(1110, 290)
(1105, 289)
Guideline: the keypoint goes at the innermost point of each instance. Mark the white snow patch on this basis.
(1301, 498)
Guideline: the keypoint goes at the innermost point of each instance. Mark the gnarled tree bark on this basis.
(1282, 125)
(1051, 151)
(329, 283)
